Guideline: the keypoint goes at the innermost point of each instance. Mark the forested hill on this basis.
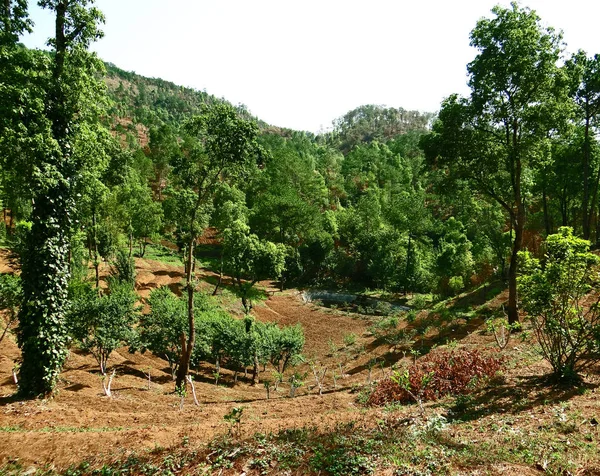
(140, 104)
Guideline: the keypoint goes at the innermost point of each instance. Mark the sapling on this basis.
(277, 379)
(149, 374)
(403, 380)
(106, 387)
(190, 380)
(370, 365)
(234, 418)
(267, 385)
(216, 376)
(319, 372)
(182, 392)
(296, 382)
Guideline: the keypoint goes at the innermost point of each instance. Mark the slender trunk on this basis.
(519, 227)
(586, 179)
(188, 346)
(546, 217)
(95, 238)
(408, 257)
(219, 281)
(255, 370)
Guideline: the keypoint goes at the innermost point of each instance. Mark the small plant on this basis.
(501, 330)
(10, 299)
(296, 381)
(402, 379)
(268, 385)
(319, 370)
(277, 379)
(181, 391)
(216, 376)
(234, 419)
(349, 339)
(371, 364)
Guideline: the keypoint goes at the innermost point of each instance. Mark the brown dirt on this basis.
(80, 423)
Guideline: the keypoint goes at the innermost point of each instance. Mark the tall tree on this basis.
(67, 90)
(584, 73)
(223, 145)
(498, 135)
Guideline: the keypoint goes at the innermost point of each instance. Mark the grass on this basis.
(406, 446)
(60, 429)
(163, 254)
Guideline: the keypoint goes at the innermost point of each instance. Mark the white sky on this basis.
(301, 64)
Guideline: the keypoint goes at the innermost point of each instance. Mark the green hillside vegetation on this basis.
(495, 195)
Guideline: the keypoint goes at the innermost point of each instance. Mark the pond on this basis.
(352, 302)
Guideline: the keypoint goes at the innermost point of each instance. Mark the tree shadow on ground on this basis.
(516, 396)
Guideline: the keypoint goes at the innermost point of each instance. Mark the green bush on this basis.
(554, 294)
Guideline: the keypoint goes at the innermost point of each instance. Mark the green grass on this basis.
(161, 253)
(60, 429)
(364, 447)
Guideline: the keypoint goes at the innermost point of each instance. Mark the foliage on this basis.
(437, 374)
(555, 296)
(11, 296)
(102, 323)
(248, 259)
(123, 268)
(50, 135)
(161, 329)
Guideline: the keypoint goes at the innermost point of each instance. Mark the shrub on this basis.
(123, 268)
(102, 323)
(10, 299)
(438, 374)
(456, 284)
(553, 294)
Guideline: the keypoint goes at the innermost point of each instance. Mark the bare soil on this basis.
(80, 423)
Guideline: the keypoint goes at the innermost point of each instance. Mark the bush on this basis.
(123, 268)
(438, 374)
(102, 323)
(554, 295)
(11, 295)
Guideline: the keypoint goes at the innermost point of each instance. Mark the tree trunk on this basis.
(519, 227)
(407, 270)
(220, 278)
(188, 347)
(586, 180)
(546, 217)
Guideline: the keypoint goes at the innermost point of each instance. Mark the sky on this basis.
(302, 64)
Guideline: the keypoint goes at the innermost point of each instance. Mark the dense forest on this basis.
(100, 166)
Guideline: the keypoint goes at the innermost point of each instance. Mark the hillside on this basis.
(515, 425)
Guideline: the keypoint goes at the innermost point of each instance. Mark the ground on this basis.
(517, 424)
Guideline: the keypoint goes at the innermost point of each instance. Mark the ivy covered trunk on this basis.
(42, 331)
(45, 274)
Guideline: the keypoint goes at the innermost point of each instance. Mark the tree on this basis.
(495, 138)
(249, 260)
(103, 323)
(584, 73)
(554, 295)
(55, 106)
(221, 146)
(161, 329)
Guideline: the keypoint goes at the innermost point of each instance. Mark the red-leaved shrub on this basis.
(454, 373)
